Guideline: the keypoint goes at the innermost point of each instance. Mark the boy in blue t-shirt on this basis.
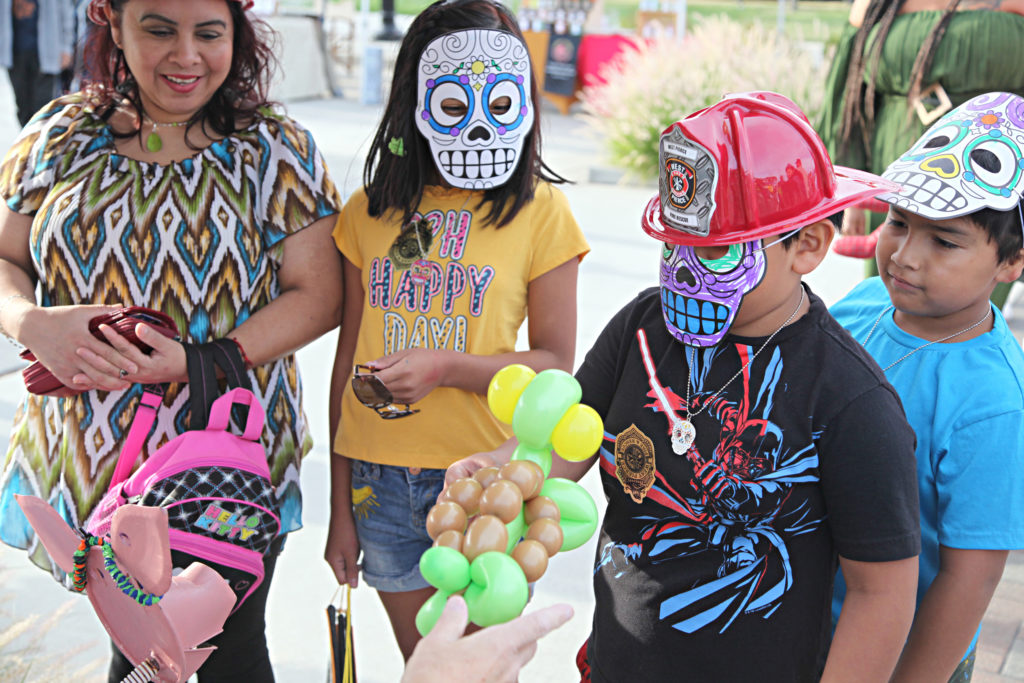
(953, 232)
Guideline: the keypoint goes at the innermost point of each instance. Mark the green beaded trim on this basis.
(79, 558)
(125, 583)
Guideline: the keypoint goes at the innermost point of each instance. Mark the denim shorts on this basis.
(390, 505)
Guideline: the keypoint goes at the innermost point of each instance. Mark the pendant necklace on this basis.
(937, 341)
(154, 143)
(683, 431)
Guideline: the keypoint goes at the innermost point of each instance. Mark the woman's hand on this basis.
(165, 363)
(491, 655)
(55, 334)
(342, 549)
(411, 374)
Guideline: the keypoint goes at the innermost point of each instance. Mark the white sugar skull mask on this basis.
(474, 105)
(969, 160)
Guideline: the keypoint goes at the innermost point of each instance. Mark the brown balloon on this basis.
(450, 539)
(486, 476)
(485, 533)
(532, 558)
(503, 499)
(548, 533)
(466, 492)
(528, 476)
(541, 507)
(445, 516)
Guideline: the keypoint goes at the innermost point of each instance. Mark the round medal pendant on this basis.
(683, 435)
(419, 273)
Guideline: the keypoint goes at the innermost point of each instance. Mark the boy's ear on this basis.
(1010, 270)
(811, 246)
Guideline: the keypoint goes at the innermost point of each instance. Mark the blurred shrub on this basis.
(662, 81)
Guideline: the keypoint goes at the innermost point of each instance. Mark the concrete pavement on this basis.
(623, 261)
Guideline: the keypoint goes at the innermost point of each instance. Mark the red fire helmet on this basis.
(747, 167)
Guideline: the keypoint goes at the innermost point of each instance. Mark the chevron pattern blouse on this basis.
(200, 239)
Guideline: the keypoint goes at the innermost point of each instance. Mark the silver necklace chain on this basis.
(912, 352)
(683, 432)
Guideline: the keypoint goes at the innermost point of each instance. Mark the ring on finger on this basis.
(123, 373)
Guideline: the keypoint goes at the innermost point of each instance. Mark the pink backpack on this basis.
(215, 486)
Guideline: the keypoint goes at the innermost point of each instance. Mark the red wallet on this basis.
(39, 380)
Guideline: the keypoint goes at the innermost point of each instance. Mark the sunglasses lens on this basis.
(370, 391)
(391, 412)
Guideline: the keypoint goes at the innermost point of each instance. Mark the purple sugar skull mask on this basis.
(700, 297)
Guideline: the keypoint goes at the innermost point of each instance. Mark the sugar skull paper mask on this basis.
(969, 160)
(474, 105)
(700, 297)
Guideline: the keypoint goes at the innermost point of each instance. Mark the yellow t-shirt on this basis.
(468, 294)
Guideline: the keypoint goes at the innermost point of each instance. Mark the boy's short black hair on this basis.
(836, 219)
(1002, 227)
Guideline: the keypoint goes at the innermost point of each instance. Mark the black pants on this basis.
(241, 653)
(32, 88)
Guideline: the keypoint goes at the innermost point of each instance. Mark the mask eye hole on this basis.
(993, 162)
(721, 259)
(500, 106)
(453, 107)
(449, 105)
(939, 140)
(505, 101)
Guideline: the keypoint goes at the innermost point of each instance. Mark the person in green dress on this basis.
(900, 65)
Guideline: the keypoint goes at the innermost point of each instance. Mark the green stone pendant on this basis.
(153, 142)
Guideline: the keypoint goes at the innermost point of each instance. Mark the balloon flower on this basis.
(495, 531)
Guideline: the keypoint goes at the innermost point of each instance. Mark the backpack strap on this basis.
(202, 361)
(221, 410)
(142, 423)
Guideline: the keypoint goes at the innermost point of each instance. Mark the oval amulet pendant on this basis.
(683, 435)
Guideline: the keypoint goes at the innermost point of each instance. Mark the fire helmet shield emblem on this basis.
(688, 177)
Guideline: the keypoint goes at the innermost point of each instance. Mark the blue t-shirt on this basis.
(965, 401)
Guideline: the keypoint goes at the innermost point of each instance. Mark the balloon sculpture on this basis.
(495, 531)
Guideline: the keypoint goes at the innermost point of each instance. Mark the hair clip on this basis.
(397, 147)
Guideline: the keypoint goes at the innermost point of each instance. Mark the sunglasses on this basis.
(372, 393)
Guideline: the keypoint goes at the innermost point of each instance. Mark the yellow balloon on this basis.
(578, 434)
(505, 388)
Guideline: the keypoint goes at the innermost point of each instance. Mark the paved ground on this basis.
(623, 261)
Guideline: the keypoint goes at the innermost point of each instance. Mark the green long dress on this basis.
(982, 51)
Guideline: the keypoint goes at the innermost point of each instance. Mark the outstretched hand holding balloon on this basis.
(495, 531)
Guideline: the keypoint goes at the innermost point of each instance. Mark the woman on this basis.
(901, 64)
(167, 183)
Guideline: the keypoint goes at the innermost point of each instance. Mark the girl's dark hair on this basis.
(859, 98)
(238, 99)
(1003, 228)
(396, 183)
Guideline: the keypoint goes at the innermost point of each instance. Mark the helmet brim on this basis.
(852, 187)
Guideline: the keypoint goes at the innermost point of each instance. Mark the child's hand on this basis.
(342, 550)
(467, 467)
(410, 374)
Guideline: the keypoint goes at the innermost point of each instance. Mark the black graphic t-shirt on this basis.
(717, 565)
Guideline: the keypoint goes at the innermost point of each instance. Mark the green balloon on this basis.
(498, 591)
(542, 404)
(431, 612)
(539, 456)
(515, 530)
(445, 568)
(577, 508)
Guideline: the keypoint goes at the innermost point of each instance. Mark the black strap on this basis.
(202, 361)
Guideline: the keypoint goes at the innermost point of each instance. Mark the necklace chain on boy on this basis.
(937, 341)
(155, 143)
(683, 431)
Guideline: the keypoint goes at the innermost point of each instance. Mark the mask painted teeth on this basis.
(929, 191)
(695, 316)
(474, 164)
